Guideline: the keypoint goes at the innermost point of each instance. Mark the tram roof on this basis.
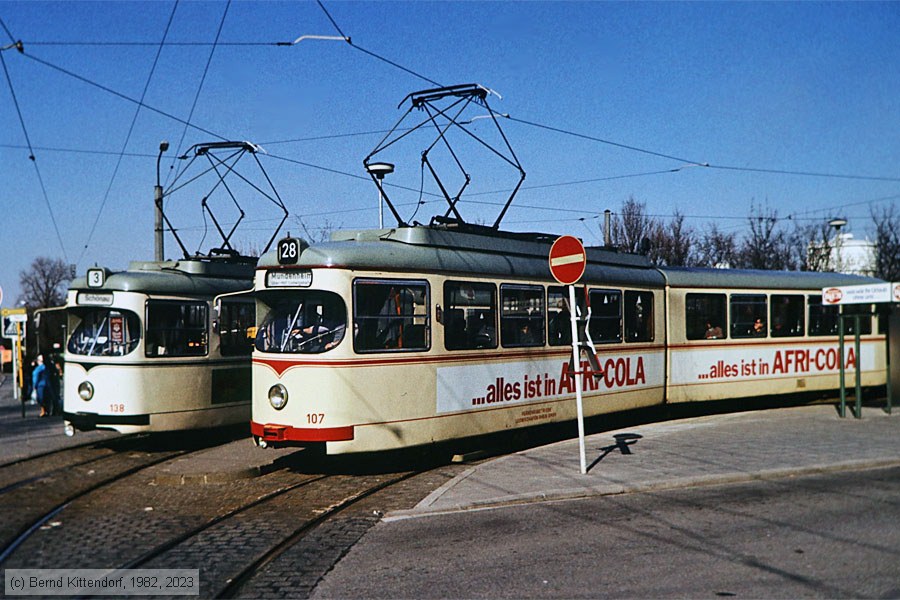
(421, 249)
(758, 279)
(190, 277)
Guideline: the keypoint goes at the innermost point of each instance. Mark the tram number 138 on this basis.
(315, 418)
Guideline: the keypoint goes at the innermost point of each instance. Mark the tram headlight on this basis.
(85, 390)
(278, 396)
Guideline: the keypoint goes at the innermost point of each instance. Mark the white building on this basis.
(849, 255)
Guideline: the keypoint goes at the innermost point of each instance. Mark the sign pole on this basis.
(858, 359)
(17, 370)
(841, 359)
(568, 261)
(576, 365)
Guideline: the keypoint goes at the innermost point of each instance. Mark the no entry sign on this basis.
(567, 260)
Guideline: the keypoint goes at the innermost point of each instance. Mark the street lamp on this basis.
(836, 224)
(379, 170)
(158, 201)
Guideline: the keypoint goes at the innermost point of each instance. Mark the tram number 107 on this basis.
(315, 418)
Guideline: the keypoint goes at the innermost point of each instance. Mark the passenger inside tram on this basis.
(713, 332)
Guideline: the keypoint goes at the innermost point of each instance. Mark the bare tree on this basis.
(248, 248)
(45, 283)
(766, 246)
(887, 243)
(817, 242)
(316, 235)
(716, 248)
(673, 243)
(632, 230)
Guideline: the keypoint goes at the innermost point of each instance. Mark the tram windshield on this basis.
(306, 322)
(105, 332)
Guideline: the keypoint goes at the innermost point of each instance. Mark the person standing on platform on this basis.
(40, 379)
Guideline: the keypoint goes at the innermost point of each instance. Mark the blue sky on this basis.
(794, 87)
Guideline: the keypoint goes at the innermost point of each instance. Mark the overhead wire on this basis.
(137, 112)
(372, 54)
(199, 88)
(12, 38)
(418, 75)
(688, 162)
(139, 44)
(79, 151)
(842, 206)
(121, 95)
(31, 155)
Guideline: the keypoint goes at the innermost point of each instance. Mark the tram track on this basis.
(38, 513)
(232, 587)
(160, 550)
(28, 504)
(23, 471)
(233, 546)
(302, 517)
(25, 460)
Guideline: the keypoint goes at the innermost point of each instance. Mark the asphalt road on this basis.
(826, 536)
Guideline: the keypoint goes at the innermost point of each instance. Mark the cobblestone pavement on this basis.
(297, 571)
(137, 515)
(134, 517)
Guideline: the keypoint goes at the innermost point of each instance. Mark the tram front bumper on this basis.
(89, 421)
(271, 432)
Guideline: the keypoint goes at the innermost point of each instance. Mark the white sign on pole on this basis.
(9, 328)
(861, 294)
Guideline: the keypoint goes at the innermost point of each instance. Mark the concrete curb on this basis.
(616, 489)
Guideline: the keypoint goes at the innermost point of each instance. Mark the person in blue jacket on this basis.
(41, 380)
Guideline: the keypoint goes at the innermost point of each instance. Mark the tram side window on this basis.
(521, 315)
(390, 315)
(705, 316)
(606, 316)
(104, 332)
(638, 316)
(470, 315)
(236, 327)
(823, 319)
(865, 318)
(176, 328)
(748, 315)
(559, 319)
(787, 315)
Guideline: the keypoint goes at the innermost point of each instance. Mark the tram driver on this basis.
(324, 334)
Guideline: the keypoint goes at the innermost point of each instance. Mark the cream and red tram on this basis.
(147, 351)
(740, 334)
(403, 337)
